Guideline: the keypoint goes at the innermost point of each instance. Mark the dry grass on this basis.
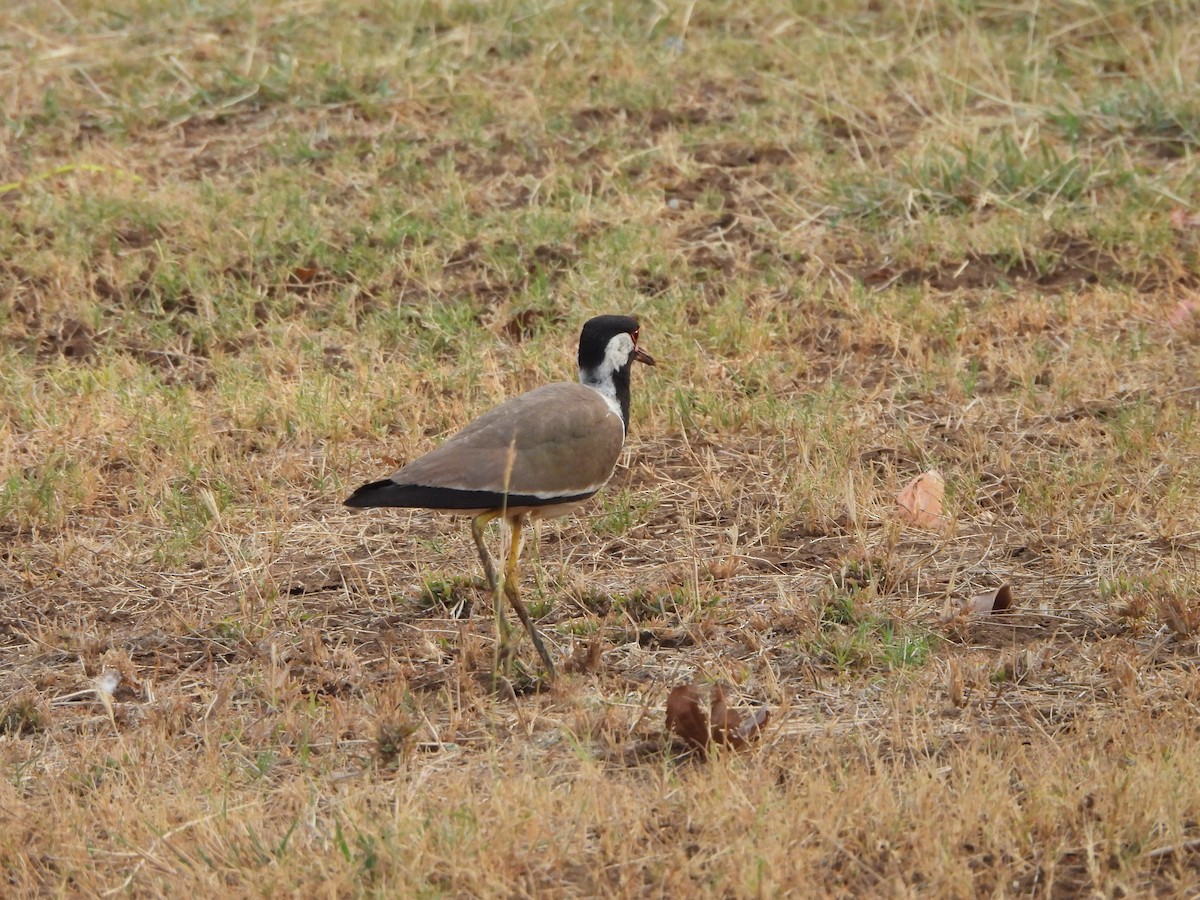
(253, 254)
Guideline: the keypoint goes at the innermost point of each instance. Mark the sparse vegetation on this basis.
(22, 715)
(850, 636)
(449, 596)
(253, 253)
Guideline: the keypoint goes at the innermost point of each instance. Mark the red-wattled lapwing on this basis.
(536, 456)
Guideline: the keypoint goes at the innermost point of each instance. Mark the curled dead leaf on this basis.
(997, 601)
(686, 720)
(921, 501)
(724, 720)
(751, 725)
(729, 727)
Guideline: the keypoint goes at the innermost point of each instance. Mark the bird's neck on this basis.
(613, 386)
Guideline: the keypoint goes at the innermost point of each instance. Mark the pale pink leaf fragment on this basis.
(921, 501)
(1183, 313)
(1182, 219)
(996, 601)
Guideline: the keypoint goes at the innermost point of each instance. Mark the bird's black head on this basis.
(602, 347)
(608, 346)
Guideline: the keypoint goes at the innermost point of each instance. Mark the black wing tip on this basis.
(373, 494)
(417, 496)
(421, 496)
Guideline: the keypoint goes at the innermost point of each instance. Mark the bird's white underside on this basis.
(541, 495)
(551, 511)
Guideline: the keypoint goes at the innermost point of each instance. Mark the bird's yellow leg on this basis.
(512, 590)
(502, 659)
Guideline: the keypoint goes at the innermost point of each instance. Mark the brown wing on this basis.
(565, 441)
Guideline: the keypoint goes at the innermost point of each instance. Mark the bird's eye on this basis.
(635, 335)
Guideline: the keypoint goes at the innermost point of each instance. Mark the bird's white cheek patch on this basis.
(618, 352)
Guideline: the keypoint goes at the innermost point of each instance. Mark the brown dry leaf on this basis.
(725, 721)
(997, 601)
(921, 501)
(731, 727)
(751, 725)
(685, 718)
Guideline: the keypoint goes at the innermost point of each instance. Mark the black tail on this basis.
(421, 496)
(381, 493)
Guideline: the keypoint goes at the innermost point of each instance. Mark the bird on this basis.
(538, 455)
